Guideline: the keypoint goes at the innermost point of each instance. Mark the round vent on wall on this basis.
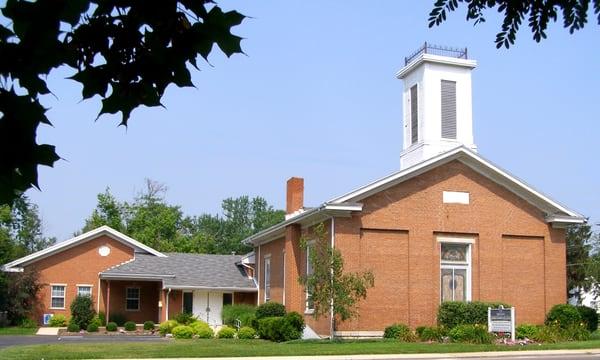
(104, 250)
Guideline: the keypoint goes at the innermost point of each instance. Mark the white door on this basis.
(208, 306)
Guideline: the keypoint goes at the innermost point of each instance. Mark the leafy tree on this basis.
(18, 292)
(330, 288)
(583, 260)
(151, 220)
(538, 14)
(127, 52)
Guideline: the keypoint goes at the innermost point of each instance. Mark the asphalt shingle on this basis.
(202, 270)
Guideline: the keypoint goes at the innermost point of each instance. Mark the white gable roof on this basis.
(555, 213)
(67, 244)
(550, 207)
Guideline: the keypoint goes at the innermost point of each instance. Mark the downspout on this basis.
(98, 291)
(331, 314)
(168, 296)
(258, 277)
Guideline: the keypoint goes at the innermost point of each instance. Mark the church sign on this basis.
(502, 320)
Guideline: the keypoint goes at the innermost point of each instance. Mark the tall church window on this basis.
(448, 96)
(414, 114)
(455, 271)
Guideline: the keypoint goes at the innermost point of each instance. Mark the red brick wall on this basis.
(248, 298)
(149, 296)
(516, 257)
(78, 265)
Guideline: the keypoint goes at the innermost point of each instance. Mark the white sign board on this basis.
(502, 320)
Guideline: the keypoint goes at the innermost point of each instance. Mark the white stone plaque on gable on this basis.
(455, 197)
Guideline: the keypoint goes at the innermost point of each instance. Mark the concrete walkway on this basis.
(48, 331)
(530, 354)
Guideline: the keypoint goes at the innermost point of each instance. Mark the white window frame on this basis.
(267, 277)
(79, 286)
(283, 262)
(127, 298)
(307, 308)
(453, 265)
(64, 297)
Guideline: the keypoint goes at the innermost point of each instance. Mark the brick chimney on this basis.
(295, 195)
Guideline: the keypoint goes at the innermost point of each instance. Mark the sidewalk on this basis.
(488, 354)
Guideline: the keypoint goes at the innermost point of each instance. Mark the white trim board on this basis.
(67, 244)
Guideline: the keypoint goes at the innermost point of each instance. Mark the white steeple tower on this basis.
(438, 114)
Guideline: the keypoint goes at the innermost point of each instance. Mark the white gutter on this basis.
(224, 288)
(136, 276)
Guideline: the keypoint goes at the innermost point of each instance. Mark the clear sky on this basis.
(316, 97)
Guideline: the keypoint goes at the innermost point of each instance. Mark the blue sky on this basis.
(316, 97)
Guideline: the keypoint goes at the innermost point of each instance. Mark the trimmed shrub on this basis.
(589, 317)
(226, 332)
(430, 333)
(92, 327)
(246, 332)
(102, 317)
(527, 331)
(149, 325)
(205, 333)
(118, 318)
(96, 321)
(199, 325)
(453, 313)
(28, 323)
(130, 326)
(563, 316)
(167, 327)
(399, 332)
(185, 318)
(296, 320)
(73, 327)
(58, 320)
(182, 332)
(111, 326)
(471, 334)
(269, 309)
(277, 328)
(82, 311)
(245, 313)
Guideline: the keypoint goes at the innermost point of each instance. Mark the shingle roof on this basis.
(188, 270)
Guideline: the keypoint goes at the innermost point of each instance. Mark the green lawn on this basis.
(17, 330)
(221, 348)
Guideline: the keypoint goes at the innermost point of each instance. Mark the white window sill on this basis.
(56, 308)
(309, 311)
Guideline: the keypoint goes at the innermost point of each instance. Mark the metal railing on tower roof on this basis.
(459, 53)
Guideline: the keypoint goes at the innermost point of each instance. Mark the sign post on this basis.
(502, 320)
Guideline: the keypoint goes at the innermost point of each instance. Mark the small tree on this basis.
(18, 294)
(329, 287)
(82, 312)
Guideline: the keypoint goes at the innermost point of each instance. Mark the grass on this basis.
(233, 348)
(17, 330)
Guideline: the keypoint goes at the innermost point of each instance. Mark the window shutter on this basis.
(414, 114)
(448, 109)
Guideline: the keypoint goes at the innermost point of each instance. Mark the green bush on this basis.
(245, 313)
(82, 311)
(269, 309)
(563, 316)
(198, 326)
(548, 334)
(185, 318)
(182, 332)
(102, 317)
(167, 327)
(58, 320)
(130, 326)
(149, 325)
(277, 328)
(296, 320)
(399, 332)
(92, 327)
(205, 333)
(555, 333)
(111, 326)
(226, 332)
(118, 318)
(453, 313)
(28, 323)
(527, 331)
(471, 334)
(96, 321)
(589, 317)
(430, 333)
(73, 327)
(246, 332)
